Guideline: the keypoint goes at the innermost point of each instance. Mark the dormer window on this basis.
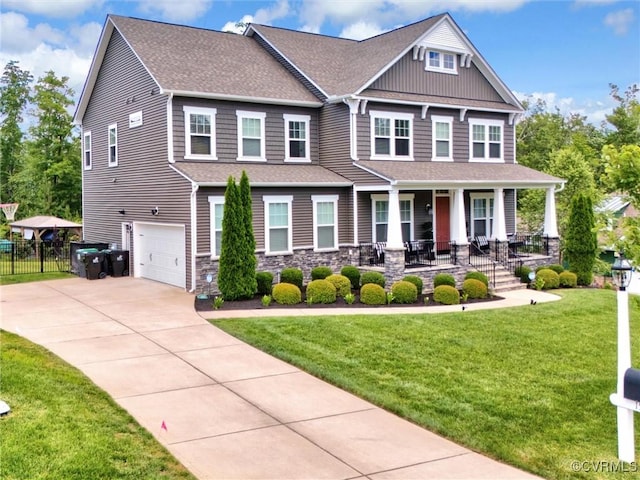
(441, 62)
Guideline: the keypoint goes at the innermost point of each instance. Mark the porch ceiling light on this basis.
(621, 271)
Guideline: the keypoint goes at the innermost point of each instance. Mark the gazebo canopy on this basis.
(40, 224)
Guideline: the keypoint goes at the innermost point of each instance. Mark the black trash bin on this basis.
(76, 250)
(118, 263)
(94, 265)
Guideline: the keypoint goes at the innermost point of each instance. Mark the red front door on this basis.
(442, 219)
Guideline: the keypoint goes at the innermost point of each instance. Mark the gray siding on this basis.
(409, 75)
(143, 178)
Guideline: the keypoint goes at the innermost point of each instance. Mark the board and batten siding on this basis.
(143, 178)
(227, 128)
(409, 75)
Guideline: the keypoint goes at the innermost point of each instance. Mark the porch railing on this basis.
(520, 247)
(418, 253)
(28, 256)
(482, 260)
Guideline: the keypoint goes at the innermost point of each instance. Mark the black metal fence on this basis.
(418, 253)
(28, 256)
(482, 261)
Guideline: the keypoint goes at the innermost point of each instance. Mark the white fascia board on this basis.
(373, 172)
(468, 185)
(435, 105)
(282, 184)
(241, 98)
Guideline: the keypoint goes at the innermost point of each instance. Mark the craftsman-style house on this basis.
(393, 152)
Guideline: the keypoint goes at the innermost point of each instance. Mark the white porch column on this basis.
(499, 224)
(394, 226)
(458, 226)
(550, 222)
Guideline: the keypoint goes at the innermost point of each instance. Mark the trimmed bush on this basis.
(446, 294)
(444, 279)
(341, 283)
(417, 281)
(474, 288)
(321, 291)
(319, 273)
(568, 279)
(373, 294)
(265, 282)
(404, 292)
(551, 278)
(353, 274)
(372, 277)
(478, 276)
(523, 272)
(554, 266)
(286, 294)
(291, 275)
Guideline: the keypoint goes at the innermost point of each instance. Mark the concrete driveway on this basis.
(223, 408)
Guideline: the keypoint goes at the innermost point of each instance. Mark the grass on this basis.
(33, 277)
(61, 426)
(529, 386)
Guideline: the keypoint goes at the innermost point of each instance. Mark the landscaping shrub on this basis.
(478, 276)
(554, 266)
(417, 281)
(551, 278)
(353, 274)
(446, 294)
(372, 277)
(568, 279)
(291, 275)
(265, 282)
(474, 288)
(286, 294)
(444, 279)
(523, 272)
(321, 291)
(341, 283)
(319, 273)
(580, 241)
(404, 292)
(372, 294)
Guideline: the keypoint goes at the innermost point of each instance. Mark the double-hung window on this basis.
(442, 133)
(200, 133)
(441, 62)
(86, 149)
(251, 135)
(380, 213)
(216, 211)
(277, 224)
(481, 215)
(325, 222)
(113, 145)
(486, 140)
(391, 136)
(296, 131)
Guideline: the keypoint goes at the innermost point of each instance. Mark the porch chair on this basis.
(481, 244)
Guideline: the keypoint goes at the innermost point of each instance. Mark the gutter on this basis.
(242, 98)
(170, 128)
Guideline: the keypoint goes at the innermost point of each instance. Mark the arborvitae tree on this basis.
(231, 261)
(248, 244)
(581, 244)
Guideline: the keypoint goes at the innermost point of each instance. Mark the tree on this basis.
(14, 95)
(581, 244)
(625, 117)
(248, 244)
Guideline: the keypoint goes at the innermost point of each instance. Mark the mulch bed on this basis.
(206, 305)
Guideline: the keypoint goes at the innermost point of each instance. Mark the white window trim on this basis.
(267, 200)
(487, 123)
(441, 119)
(325, 199)
(440, 68)
(213, 201)
(240, 114)
(187, 132)
(392, 116)
(306, 119)
(85, 150)
(377, 197)
(489, 197)
(113, 126)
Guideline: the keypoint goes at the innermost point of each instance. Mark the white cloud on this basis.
(361, 30)
(588, 3)
(620, 21)
(16, 36)
(175, 10)
(266, 16)
(50, 8)
(239, 26)
(594, 110)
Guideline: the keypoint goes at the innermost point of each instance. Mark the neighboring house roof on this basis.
(217, 174)
(43, 222)
(443, 174)
(613, 204)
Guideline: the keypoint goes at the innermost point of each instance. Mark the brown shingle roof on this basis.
(458, 173)
(371, 93)
(195, 60)
(261, 174)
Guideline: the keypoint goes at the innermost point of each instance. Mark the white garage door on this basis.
(160, 252)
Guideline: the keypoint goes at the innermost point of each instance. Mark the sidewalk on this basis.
(225, 409)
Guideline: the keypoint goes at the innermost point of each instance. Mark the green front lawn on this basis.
(529, 386)
(61, 426)
(33, 277)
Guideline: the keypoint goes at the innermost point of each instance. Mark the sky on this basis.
(565, 52)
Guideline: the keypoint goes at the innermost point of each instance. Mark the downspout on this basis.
(170, 128)
(194, 233)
